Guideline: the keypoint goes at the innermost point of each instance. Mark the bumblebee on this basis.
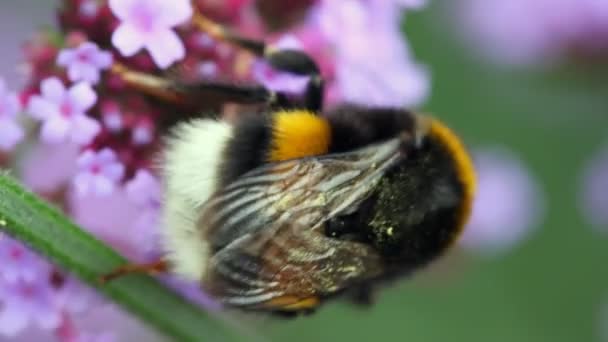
(281, 211)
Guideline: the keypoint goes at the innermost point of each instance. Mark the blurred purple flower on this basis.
(92, 337)
(144, 191)
(85, 62)
(374, 63)
(508, 204)
(148, 24)
(534, 31)
(63, 112)
(46, 168)
(18, 263)
(98, 172)
(11, 132)
(24, 302)
(88, 8)
(593, 196)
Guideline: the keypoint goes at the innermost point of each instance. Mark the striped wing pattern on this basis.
(267, 229)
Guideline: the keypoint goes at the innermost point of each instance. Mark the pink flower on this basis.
(99, 172)
(148, 24)
(63, 112)
(508, 205)
(144, 191)
(593, 196)
(25, 302)
(85, 62)
(374, 65)
(10, 131)
(18, 263)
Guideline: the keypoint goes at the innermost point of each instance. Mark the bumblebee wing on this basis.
(267, 230)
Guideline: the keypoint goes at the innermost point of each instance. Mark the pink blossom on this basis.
(509, 204)
(593, 196)
(522, 32)
(99, 172)
(25, 302)
(11, 132)
(63, 112)
(144, 191)
(374, 64)
(18, 263)
(85, 62)
(148, 24)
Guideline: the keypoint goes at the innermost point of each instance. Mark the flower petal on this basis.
(166, 48)
(65, 57)
(84, 130)
(10, 135)
(102, 185)
(175, 13)
(102, 59)
(12, 320)
(86, 159)
(55, 130)
(83, 72)
(82, 183)
(127, 39)
(41, 109)
(82, 96)
(114, 172)
(52, 89)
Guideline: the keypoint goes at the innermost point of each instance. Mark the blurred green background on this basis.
(549, 288)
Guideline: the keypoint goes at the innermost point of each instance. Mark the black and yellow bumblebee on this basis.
(282, 210)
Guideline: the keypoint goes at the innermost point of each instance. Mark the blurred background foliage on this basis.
(550, 287)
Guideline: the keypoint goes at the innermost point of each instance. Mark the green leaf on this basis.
(47, 231)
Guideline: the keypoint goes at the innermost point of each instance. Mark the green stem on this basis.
(47, 231)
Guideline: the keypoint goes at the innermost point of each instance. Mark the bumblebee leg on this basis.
(193, 95)
(154, 268)
(292, 61)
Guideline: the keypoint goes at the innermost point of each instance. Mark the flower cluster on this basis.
(535, 31)
(95, 136)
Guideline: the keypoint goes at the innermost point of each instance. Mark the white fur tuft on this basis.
(191, 171)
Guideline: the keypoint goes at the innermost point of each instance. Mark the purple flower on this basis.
(144, 191)
(85, 62)
(47, 168)
(18, 263)
(63, 112)
(374, 65)
(24, 302)
(508, 204)
(593, 197)
(96, 337)
(98, 172)
(148, 24)
(11, 132)
(519, 32)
